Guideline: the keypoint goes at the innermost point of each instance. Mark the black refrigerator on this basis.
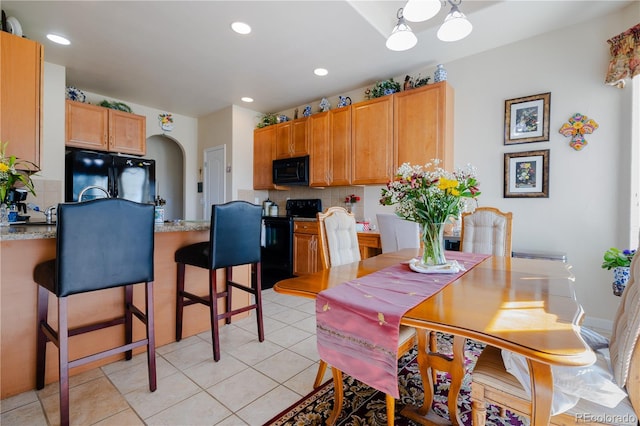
(131, 178)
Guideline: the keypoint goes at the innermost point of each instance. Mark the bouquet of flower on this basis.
(615, 257)
(14, 170)
(353, 198)
(429, 194)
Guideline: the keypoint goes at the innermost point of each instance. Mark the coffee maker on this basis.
(16, 197)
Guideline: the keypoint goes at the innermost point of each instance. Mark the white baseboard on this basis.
(602, 326)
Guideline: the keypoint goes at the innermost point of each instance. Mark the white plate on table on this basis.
(451, 267)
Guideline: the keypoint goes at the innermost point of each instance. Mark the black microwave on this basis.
(291, 171)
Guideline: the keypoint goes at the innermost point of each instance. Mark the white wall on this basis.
(586, 212)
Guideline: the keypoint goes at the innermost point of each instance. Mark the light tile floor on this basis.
(250, 384)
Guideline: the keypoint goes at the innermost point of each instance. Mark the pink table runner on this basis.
(358, 322)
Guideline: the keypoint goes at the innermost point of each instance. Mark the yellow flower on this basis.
(445, 184)
(4, 167)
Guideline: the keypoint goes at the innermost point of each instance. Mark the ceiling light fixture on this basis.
(241, 27)
(58, 39)
(456, 26)
(320, 72)
(421, 10)
(401, 38)
(246, 99)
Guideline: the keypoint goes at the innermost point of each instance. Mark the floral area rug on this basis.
(364, 405)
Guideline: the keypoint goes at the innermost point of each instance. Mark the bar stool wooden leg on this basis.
(63, 360)
(179, 300)
(228, 277)
(255, 276)
(213, 312)
(128, 319)
(41, 341)
(151, 336)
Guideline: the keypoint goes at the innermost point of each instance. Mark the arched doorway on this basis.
(169, 173)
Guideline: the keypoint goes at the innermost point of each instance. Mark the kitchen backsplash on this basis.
(48, 193)
(333, 196)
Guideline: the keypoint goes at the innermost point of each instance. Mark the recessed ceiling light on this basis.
(246, 99)
(58, 39)
(241, 28)
(321, 72)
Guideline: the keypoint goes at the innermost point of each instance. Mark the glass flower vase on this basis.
(4, 215)
(433, 244)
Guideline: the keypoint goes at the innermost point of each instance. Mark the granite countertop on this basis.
(36, 232)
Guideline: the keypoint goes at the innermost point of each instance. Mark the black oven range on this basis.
(277, 240)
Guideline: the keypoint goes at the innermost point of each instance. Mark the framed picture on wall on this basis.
(527, 119)
(526, 174)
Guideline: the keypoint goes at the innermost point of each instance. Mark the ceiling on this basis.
(182, 57)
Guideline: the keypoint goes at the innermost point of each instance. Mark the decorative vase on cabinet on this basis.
(440, 74)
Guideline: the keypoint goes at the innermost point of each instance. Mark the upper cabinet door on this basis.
(299, 139)
(423, 125)
(340, 138)
(319, 149)
(372, 141)
(291, 138)
(127, 133)
(103, 129)
(264, 147)
(20, 96)
(87, 126)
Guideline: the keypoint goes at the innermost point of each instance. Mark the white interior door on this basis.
(214, 178)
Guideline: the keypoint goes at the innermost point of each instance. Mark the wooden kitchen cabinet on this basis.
(104, 129)
(21, 62)
(372, 141)
(264, 145)
(306, 259)
(291, 138)
(423, 125)
(330, 147)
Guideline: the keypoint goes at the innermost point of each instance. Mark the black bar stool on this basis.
(100, 244)
(234, 239)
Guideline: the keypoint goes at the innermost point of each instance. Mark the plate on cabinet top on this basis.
(13, 26)
(74, 94)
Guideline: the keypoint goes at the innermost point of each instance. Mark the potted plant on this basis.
(620, 262)
(383, 88)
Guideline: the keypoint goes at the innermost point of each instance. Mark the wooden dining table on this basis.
(526, 306)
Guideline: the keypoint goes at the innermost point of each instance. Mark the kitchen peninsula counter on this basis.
(34, 232)
(23, 247)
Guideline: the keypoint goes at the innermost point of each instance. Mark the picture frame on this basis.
(526, 174)
(526, 119)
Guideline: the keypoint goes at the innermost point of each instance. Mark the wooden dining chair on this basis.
(486, 231)
(491, 383)
(397, 233)
(338, 244)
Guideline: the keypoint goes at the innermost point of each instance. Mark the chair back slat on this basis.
(103, 243)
